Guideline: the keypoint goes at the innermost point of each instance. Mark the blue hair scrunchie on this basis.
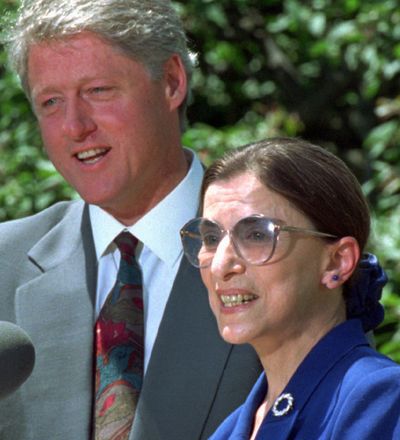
(365, 291)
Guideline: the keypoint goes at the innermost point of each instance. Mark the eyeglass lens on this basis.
(253, 238)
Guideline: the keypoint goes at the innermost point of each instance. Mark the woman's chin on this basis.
(235, 334)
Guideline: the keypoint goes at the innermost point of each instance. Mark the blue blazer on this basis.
(343, 390)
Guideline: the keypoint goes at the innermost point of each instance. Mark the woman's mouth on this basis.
(237, 300)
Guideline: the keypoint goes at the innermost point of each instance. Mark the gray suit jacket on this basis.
(48, 282)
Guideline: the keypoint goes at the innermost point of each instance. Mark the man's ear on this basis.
(343, 257)
(175, 81)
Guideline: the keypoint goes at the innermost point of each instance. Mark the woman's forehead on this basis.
(229, 200)
(241, 187)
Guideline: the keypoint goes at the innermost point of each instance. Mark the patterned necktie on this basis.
(120, 348)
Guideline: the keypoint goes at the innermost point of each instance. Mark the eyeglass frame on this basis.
(278, 225)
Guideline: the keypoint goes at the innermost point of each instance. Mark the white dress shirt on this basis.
(159, 253)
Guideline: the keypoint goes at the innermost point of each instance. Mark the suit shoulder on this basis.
(367, 361)
(368, 372)
(32, 227)
(369, 402)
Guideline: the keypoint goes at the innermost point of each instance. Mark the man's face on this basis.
(108, 127)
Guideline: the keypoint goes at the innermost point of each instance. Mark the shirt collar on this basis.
(158, 229)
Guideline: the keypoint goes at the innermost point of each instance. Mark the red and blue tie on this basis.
(120, 348)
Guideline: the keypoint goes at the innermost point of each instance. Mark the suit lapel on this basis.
(180, 365)
(56, 309)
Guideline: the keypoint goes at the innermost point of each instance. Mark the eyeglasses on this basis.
(254, 239)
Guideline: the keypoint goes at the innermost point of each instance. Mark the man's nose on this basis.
(78, 120)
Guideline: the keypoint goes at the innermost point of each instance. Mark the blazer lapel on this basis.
(309, 387)
(56, 309)
(187, 339)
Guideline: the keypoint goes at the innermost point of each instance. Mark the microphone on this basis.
(17, 357)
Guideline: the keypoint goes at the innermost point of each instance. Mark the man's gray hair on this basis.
(149, 31)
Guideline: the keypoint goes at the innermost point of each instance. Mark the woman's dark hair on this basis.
(315, 181)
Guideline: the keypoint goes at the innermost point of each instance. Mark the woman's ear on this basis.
(343, 256)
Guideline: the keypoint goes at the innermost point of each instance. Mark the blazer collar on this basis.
(62, 240)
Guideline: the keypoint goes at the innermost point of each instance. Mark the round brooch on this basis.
(283, 404)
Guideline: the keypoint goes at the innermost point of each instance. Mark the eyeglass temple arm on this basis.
(189, 233)
(307, 231)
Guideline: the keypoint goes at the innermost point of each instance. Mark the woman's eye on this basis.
(257, 236)
(210, 240)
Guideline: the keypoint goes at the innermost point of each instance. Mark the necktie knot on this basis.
(129, 271)
(126, 243)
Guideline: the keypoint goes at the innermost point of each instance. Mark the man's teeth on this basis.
(91, 155)
(236, 300)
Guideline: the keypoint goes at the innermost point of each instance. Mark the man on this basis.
(108, 82)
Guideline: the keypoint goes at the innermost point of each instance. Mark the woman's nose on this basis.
(226, 262)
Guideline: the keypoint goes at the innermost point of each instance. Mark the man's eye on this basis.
(101, 93)
(49, 102)
(99, 90)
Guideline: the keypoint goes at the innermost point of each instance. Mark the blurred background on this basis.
(324, 70)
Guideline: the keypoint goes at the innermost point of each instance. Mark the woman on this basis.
(280, 248)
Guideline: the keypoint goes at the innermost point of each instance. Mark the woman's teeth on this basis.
(236, 300)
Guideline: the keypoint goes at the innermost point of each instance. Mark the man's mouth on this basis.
(92, 156)
(237, 300)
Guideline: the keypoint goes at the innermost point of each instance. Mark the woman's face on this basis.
(280, 299)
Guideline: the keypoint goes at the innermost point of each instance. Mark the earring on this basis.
(335, 277)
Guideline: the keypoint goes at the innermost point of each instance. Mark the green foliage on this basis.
(326, 70)
(383, 188)
(326, 61)
(386, 243)
(210, 143)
